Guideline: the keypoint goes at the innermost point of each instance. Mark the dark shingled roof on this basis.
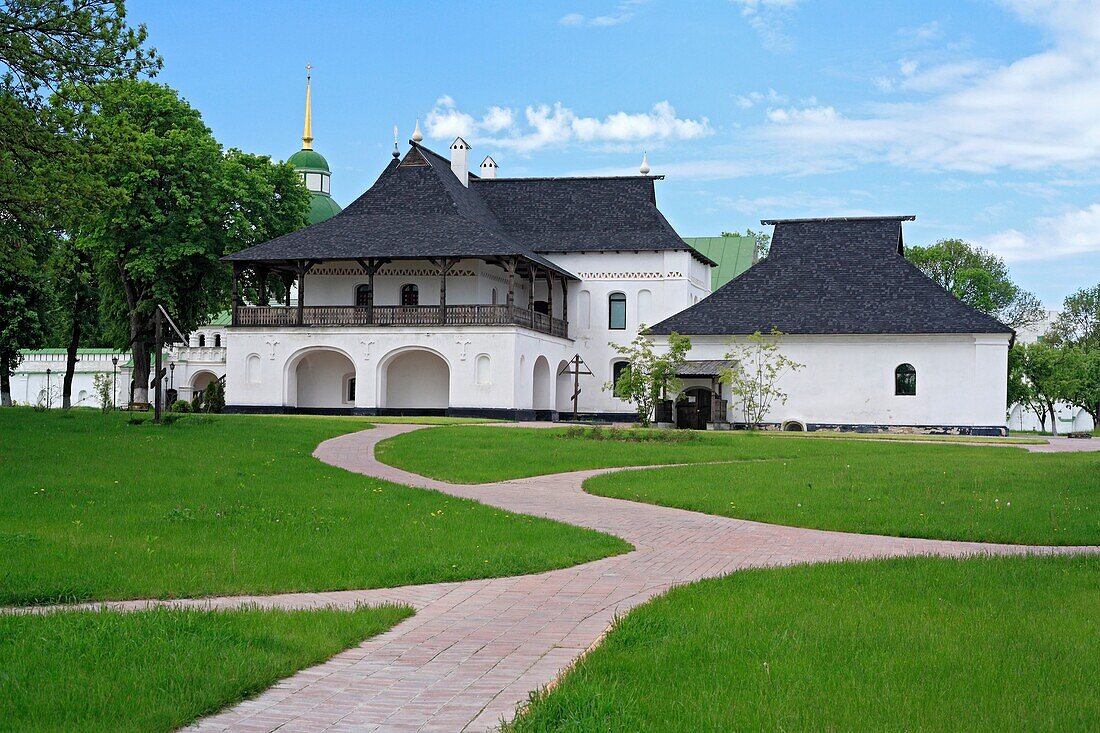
(419, 209)
(832, 276)
(581, 214)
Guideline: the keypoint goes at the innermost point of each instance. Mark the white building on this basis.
(37, 380)
(883, 346)
(440, 291)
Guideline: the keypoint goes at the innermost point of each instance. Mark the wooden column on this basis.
(236, 293)
(565, 302)
(444, 266)
(302, 269)
(371, 266)
(510, 267)
(550, 298)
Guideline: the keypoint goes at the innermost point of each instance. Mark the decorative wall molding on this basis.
(629, 275)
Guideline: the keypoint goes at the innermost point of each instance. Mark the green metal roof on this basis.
(321, 207)
(222, 319)
(734, 255)
(309, 160)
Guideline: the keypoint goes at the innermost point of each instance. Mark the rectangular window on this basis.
(351, 389)
(616, 312)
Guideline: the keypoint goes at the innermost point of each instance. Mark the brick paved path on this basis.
(474, 649)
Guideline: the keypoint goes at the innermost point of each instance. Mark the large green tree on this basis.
(1079, 322)
(978, 278)
(1051, 378)
(45, 46)
(24, 300)
(179, 204)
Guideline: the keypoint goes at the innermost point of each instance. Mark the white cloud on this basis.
(1071, 233)
(546, 125)
(624, 11)
(924, 33)
(766, 18)
(1038, 112)
(747, 101)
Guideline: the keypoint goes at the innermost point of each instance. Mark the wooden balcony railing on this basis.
(399, 315)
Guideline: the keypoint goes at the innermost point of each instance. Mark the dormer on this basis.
(489, 168)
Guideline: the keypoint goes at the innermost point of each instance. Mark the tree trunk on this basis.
(1053, 418)
(141, 349)
(5, 383)
(70, 356)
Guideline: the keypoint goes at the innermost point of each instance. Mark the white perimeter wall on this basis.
(961, 379)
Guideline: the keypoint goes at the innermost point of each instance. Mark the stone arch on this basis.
(563, 388)
(414, 378)
(200, 379)
(316, 377)
(542, 385)
(794, 426)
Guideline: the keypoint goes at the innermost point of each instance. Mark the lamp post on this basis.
(114, 382)
(48, 373)
(171, 375)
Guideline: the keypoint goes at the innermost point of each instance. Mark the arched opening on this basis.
(217, 340)
(617, 369)
(410, 295)
(320, 380)
(542, 382)
(905, 380)
(362, 295)
(417, 380)
(202, 340)
(794, 426)
(483, 369)
(584, 309)
(200, 380)
(645, 297)
(563, 383)
(693, 408)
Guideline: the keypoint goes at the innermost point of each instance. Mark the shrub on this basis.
(213, 397)
(180, 406)
(102, 385)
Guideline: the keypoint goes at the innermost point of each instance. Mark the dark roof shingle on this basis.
(418, 209)
(832, 276)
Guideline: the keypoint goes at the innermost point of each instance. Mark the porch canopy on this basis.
(416, 210)
(704, 368)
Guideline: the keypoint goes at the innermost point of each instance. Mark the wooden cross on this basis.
(576, 367)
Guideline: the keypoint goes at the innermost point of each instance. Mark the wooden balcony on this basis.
(399, 315)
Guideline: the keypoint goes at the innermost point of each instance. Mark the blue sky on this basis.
(982, 117)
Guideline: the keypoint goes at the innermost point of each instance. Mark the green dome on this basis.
(308, 160)
(321, 207)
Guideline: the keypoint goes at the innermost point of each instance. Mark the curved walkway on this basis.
(475, 649)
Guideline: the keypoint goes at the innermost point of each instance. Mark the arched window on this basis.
(410, 295)
(616, 312)
(362, 295)
(202, 339)
(905, 380)
(617, 370)
(217, 340)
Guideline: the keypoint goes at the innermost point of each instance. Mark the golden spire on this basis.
(307, 131)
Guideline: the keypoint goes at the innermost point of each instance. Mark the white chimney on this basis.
(489, 168)
(460, 154)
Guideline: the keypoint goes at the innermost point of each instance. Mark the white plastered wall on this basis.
(849, 379)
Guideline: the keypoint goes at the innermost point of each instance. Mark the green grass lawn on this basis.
(913, 438)
(942, 492)
(990, 494)
(160, 669)
(92, 508)
(987, 644)
(473, 455)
